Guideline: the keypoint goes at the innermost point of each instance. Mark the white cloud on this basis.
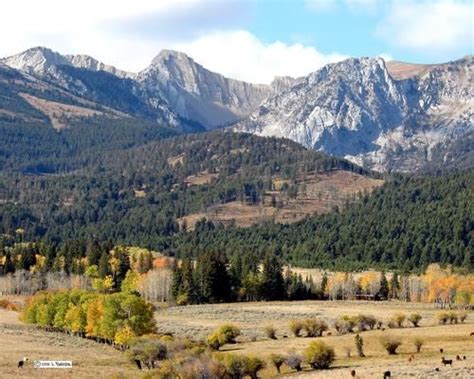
(436, 26)
(128, 35)
(239, 54)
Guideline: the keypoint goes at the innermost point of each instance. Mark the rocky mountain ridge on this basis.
(173, 88)
(356, 109)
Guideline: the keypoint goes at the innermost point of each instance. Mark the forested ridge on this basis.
(407, 224)
(128, 181)
(135, 195)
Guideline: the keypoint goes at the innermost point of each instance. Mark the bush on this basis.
(390, 344)
(443, 317)
(314, 327)
(215, 341)
(202, 367)
(253, 365)
(237, 366)
(277, 361)
(147, 351)
(345, 324)
(224, 334)
(418, 342)
(397, 320)
(270, 332)
(453, 317)
(415, 319)
(462, 316)
(295, 327)
(294, 361)
(319, 355)
(365, 322)
(229, 332)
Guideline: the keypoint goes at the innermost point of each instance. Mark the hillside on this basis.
(136, 195)
(406, 224)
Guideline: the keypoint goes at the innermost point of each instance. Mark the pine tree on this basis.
(104, 268)
(213, 280)
(359, 342)
(324, 285)
(273, 287)
(394, 286)
(383, 292)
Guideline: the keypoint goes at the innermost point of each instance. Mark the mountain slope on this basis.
(199, 94)
(136, 195)
(406, 224)
(173, 89)
(357, 110)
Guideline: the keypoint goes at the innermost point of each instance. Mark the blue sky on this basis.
(252, 40)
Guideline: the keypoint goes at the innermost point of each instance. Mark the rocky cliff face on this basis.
(198, 94)
(357, 110)
(173, 87)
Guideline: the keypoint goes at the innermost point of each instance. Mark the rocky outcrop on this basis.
(357, 110)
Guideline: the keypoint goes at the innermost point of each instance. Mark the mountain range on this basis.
(381, 115)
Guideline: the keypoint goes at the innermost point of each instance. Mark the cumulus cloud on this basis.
(239, 54)
(435, 26)
(128, 35)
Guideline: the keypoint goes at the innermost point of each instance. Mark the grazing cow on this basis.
(22, 362)
(353, 373)
(472, 334)
(447, 361)
(387, 375)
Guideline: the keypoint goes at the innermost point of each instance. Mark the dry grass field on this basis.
(197, 321)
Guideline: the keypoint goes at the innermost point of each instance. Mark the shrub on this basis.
(215, 341)
(314, 327)
(147, 351)
(418, 342)
(397, 320)
(235, 365)
(390, 344)
(443, 317)
(252, 365)
(295, 327)
(415, 319)
(319, 355)
(345, 324)
(202, 367)
(294, 361)
(365, 322)
(277, 361)
(270, 332)
(453, 317)
(229, 332)
(462, 316)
